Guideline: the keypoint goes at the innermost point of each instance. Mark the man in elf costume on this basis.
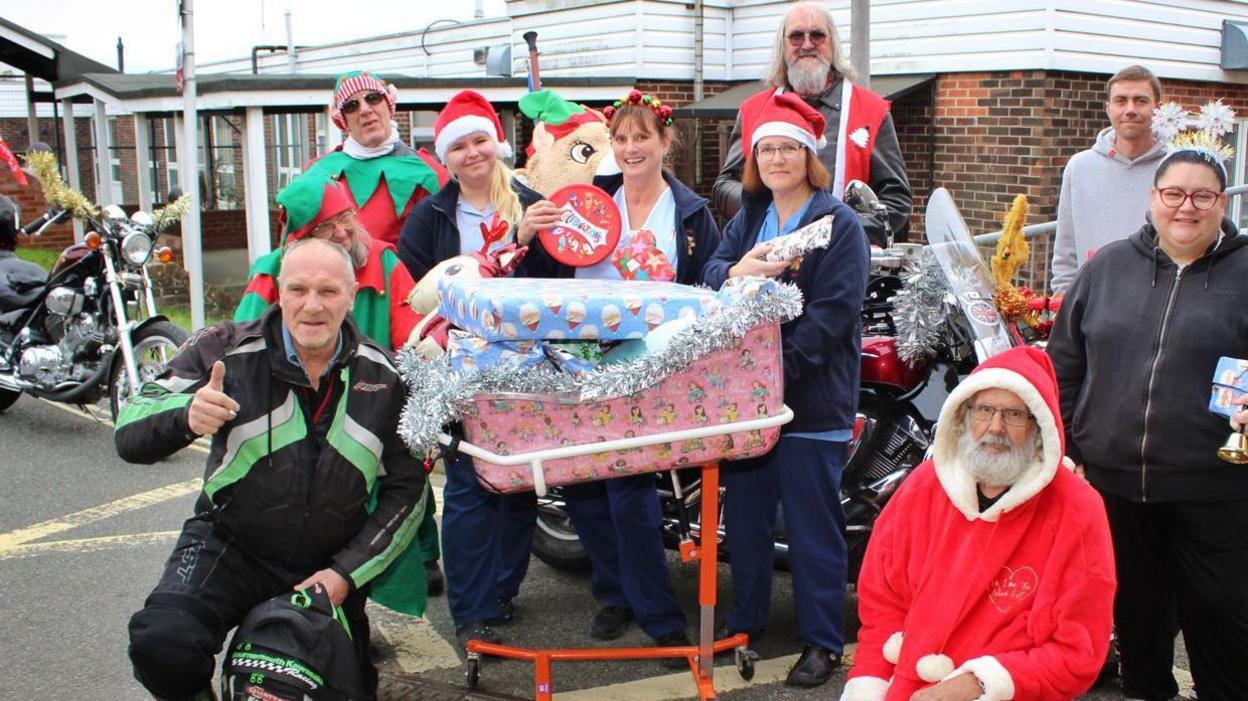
(384, 176)
(990, 574)
(861, 140)
(318, 206)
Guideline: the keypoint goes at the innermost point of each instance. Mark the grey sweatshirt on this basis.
(1104, 198)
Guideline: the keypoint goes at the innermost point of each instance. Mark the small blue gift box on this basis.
(1230, 386)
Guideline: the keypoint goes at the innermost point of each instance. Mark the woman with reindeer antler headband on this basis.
(1146, 320)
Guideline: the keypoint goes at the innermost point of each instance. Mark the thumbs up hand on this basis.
(211, 406)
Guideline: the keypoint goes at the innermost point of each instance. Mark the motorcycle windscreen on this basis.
(967, 274)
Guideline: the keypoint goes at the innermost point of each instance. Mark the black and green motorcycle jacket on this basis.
(285, 487)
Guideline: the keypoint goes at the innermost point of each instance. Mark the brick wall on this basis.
(912, 118)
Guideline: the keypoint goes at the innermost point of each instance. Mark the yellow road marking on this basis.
(86, 545)
(98, 513)
(200, 444)
(682, 686)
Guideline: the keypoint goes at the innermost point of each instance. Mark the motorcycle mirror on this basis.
(112, 211)
(38, 147)
(141, 218)
(861, 197)
(174, 193)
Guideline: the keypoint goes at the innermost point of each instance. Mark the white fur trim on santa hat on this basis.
(463, 126)
(958, 483)
(864, 689)
(996, 680)
(892, 647)
(933, 668)
(792, 131)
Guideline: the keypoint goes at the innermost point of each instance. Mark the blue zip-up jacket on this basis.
(822, 347)
(430, 235)
(696, 233)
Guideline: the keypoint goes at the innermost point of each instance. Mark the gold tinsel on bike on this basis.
(55, 191)
(1017, 304)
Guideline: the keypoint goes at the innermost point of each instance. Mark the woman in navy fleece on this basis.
(784, 190)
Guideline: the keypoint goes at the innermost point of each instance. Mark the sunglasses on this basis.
(817, 37)
(373, 99)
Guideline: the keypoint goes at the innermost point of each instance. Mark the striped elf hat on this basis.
(349, 84)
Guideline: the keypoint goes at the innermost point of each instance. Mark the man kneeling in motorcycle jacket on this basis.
(303, 413)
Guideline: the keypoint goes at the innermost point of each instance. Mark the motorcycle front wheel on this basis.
(154, 347)
(555, 542)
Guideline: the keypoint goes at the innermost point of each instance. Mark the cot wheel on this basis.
(745, 662)
(473, 674)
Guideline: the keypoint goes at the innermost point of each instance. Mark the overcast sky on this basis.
(224, 29)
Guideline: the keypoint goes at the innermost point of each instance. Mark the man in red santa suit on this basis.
(861, 140)
(990, 574)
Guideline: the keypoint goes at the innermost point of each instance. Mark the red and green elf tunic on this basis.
(380, 308)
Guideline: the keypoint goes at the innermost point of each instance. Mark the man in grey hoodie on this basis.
(1105, 189)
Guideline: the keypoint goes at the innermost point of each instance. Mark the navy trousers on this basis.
(805, 475)
(486, 540)
(620, 524)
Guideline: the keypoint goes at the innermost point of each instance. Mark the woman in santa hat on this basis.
(486, 537)
(669, 234)
(785, 189)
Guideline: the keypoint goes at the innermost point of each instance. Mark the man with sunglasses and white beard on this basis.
(990, 573)
(385, 176)
(861, 141)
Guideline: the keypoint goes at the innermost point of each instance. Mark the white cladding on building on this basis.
(653, 39)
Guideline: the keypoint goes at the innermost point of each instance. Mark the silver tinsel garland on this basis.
(438, 396)
(921, 309)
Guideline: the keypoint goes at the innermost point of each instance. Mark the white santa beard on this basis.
(806, 79)
(990, 468)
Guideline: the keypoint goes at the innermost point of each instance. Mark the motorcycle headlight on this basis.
(136, 247)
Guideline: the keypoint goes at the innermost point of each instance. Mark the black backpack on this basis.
(291, 648)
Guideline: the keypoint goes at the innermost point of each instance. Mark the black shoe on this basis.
(435, 584)
(813, 668)
(476, 630)
(506, 613)
(610, 622)
(677, 639)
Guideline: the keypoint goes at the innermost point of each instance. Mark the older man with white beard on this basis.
(861, 141)
(990, 574)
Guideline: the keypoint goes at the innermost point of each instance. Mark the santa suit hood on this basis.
(1028, 373)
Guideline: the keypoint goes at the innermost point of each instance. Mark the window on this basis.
(114, 161)
(171, 154)
(1237, 210)
(290, 137)
(223, 145)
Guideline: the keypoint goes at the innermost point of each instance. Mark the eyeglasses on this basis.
(328, 229)
(817, 37)
(1174, 197)
(766, 153)
(984, 413)
(373, 99)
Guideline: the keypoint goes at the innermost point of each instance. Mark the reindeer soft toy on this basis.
(430, 334)
(570, 143)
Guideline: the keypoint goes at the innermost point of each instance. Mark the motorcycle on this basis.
(902, 389)
(72, 337)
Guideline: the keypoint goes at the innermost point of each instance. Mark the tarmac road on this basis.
(83, 537)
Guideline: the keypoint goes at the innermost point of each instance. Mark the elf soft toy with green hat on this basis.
(570, 143)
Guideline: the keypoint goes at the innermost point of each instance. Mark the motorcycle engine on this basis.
(80, 340)
(41, 365)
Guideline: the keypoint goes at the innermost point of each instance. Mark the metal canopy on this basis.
(37, 56)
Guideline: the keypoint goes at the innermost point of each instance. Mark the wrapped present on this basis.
(1230, 386)
(510, 309)
(469, 353)
(794, 245)
(641, 259)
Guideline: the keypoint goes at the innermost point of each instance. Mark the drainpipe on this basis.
(290, 44)
(698, 87)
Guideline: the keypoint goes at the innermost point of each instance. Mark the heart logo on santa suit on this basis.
(1011, 587)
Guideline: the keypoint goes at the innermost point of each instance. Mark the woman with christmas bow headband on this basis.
(785, 189)
(1146, 320)
(669, 234)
